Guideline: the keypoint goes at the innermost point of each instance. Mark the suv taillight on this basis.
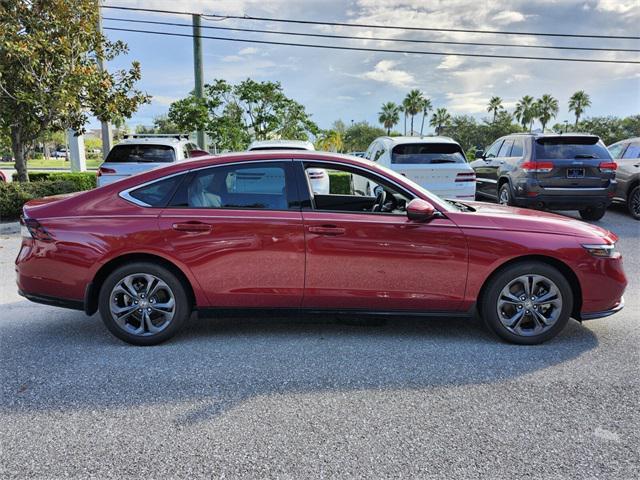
(31, 228)
(466, 177)
(537, 167)
(608, 167)
(103, 170)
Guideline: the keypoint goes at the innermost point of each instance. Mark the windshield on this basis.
(141, 153)
(427, 153)
(557, 148)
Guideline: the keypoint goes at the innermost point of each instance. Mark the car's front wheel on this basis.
(633, 202)
(527, 303)
(593, 213)
(143, 303)
(504, 195)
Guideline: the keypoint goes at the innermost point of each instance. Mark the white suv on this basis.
(142, 152)
(318, 177)
(435, 163)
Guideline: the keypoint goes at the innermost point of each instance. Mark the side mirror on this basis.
(480, 154)
(420, 210)
(198, 153)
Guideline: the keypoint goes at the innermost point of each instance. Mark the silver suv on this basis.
(142, 152)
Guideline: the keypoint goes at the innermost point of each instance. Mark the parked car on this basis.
(627, 156)
(435, 163)
(60, 153)
(358, 154)
(245, 231)
(318, 178)
(141, 152)
(550, 171)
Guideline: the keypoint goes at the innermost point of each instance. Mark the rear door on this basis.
(485, 169)
(130, 159)
(238, 227)
(573, 162)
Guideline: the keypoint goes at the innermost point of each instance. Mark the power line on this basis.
(381, 39)
(380, 50)
(364, 25)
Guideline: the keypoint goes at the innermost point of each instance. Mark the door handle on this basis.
(192, 227)
(327, 230)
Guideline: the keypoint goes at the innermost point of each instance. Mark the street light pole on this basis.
(198, 70)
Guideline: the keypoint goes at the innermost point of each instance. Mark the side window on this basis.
(494, 149)
(157, 194)
(518, 148)
(505, 149)
(263, 185)
(617, 149)
(633, 151)
(372, 152)
(185, 152)
(379, 153)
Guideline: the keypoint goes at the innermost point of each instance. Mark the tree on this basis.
(233, 115)
(426, 107)
(495, 105)
(440, 119)
(405, 110)
(525, 111)
(49, 75)
(546, 109)
(389, 116)
(359, 136)
(413, 104)
(161, 125)
(611, 129)
(578, 103)
(329, 141)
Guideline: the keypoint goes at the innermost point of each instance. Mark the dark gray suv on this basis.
(627, 156)
(551, 171)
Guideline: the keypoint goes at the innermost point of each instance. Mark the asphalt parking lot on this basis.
(314, 398)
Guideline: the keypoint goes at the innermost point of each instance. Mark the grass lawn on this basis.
(52, 163)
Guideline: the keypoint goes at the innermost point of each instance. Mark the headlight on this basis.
(604, 250)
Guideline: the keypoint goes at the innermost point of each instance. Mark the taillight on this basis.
(103, 170)
(537, 167)
(31, 228)
(608, 167)
(466, 177)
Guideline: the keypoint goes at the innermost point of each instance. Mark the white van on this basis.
(435, 163)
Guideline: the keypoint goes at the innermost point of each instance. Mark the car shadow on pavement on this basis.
(61, 360)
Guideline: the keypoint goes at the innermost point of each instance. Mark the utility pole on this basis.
(107, 136)
(198, 72)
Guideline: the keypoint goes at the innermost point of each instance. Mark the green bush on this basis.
(340, 183)
(82, 180)
(14, 195)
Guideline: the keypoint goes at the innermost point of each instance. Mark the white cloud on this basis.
(450, 61)
(163, 100)
(346, 98)
(384, 72)
(248, 51)
(232, 58)
(508, 16)
(618, 6)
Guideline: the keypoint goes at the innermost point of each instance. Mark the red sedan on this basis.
(246, 231)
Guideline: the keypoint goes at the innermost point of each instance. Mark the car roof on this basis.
(169, 140)
(627, 140)
(293, 144)
(406, 139)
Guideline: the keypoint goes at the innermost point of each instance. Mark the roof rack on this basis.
(179, 136)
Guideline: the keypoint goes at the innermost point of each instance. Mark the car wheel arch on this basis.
(93, 288)
(562, 267)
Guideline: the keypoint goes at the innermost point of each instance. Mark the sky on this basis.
(351, 85)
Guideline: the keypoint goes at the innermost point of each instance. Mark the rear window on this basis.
(141, 153)
(427, 153)
(570, 147)
(255, 149)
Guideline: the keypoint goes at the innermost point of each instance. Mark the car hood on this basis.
(490, 215)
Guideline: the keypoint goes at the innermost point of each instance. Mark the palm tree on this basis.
(413, 104)
(547, 108)
(440, 119)
(389, 115)
(330, 141)
(426, 106)
(405, 109)
(495, 105)
(525, 111)
(578, 103)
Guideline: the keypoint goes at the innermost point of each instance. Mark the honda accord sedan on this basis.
(246, 232)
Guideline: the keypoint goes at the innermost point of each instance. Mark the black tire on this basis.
(489, 302)
(593, 213)
(633, 202)
(181, 310)
(505, 193)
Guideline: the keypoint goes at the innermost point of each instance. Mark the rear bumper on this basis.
(604, 313)
(530, 194)
(53, 301)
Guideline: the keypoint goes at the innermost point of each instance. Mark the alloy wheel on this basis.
(504, 197)
(529, 305)
(635, 202)
(142, 304)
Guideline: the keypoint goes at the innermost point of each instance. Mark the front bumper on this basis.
(605, 313)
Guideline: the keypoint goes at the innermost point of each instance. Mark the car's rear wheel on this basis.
(143, 303)
(527, 303)
(593, 213)
(633, 202)
(504, 195)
